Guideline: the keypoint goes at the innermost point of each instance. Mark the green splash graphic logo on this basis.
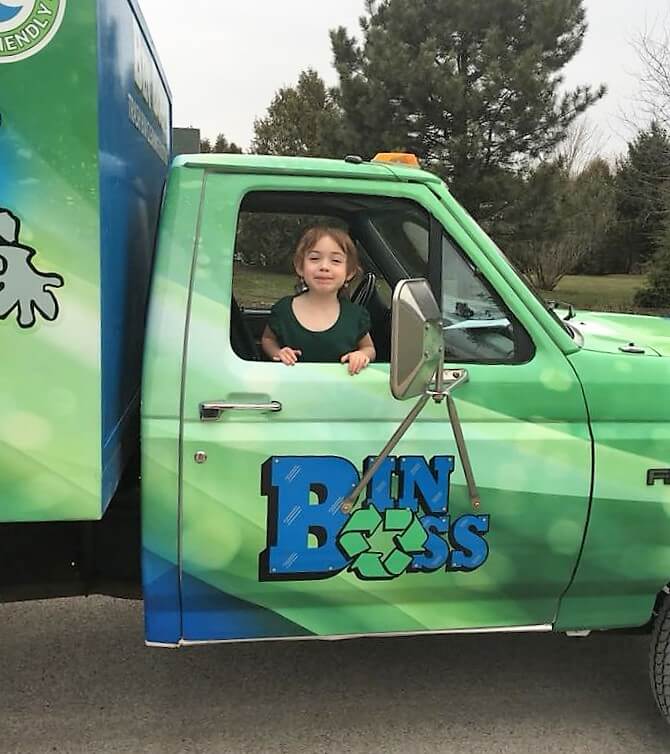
(27, 27)
(23, 288)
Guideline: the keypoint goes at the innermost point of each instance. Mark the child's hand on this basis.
(357, 360)
(288, 356)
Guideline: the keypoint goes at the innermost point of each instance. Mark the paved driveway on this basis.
(75, 677)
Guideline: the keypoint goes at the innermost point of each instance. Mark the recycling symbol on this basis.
(408, 537)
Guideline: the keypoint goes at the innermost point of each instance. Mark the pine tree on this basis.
(640, 179)
(470, 86)
(561, 219)
(223, 146)
(656, 294)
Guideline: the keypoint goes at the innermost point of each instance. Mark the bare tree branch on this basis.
(653, 49)
(583, 143)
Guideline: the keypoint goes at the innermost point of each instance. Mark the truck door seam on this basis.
(590, 500)
(182, 398)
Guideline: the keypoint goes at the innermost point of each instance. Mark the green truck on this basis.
(527, 490)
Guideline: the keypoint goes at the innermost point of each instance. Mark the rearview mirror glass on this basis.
(417, 345)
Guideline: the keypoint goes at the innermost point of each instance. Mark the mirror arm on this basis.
(473, 492)
(349, 502)
(454, 377)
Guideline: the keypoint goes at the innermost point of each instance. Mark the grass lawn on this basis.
(598, 292)
(254, 287)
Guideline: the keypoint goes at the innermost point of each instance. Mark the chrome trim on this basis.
(546, 628)
(160, 645)
(210, 411)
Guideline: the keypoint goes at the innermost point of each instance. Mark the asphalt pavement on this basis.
(76, 677)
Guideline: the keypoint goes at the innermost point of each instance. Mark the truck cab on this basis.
(528, 489)
(307, 503)
(244, 536)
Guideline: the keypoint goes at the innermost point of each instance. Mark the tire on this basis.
(659, 659)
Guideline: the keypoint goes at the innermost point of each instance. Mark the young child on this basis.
(321, 325)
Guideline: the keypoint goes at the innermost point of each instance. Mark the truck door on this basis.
(265, 549)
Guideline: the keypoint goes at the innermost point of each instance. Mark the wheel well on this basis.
(660, 599)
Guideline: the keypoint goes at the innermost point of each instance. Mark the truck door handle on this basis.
(211, 411)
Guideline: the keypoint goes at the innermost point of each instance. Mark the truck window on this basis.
(477, 325)
(390, 235)
(408, 234)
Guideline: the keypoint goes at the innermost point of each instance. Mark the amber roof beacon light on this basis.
(404, 158)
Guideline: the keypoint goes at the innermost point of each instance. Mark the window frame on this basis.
(390, 264)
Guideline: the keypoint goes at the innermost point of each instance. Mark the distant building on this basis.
(185, 141)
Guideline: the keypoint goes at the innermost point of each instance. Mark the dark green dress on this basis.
(325, 346)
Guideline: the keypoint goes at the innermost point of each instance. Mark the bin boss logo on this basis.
(28, 26)
(309, 537)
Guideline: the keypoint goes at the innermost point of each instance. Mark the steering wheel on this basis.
(364, 290)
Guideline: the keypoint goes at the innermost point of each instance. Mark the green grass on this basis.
(256, 287)
(598, 292)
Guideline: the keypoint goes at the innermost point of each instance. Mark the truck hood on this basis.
(622, 333)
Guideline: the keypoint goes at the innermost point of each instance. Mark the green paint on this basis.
(50, 389)
(382, 547)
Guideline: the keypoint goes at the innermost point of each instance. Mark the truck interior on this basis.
(391, 235)
(396, 239)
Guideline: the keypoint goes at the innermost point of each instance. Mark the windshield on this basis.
(536, 294)
(477, 325)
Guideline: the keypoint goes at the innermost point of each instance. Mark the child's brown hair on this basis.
(312, 236)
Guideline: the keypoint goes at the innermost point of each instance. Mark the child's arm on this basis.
(366, 345)
(359, 359)
(274, 351)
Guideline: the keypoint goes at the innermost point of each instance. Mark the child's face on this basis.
(324, 267)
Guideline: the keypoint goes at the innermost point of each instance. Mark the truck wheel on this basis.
(659, 659)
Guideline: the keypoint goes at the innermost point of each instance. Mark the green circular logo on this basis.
(26, 27)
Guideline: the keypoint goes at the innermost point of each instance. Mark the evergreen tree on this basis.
(470, 86)
(220, 146)
(656, 294)
(641, 179)
(223, 146)
(300, 120)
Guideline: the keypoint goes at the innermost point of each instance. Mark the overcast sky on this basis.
(225, 60)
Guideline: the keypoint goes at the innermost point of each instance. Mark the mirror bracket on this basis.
(451, 378)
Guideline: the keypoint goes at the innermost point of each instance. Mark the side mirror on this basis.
(417, 356)
(417, 345)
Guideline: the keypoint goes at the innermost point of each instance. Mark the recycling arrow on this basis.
(409, 539)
